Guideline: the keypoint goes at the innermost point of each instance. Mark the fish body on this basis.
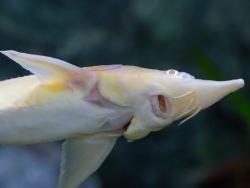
(38, 114)
(91, 107)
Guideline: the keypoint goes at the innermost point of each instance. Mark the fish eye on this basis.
(184, 75)
(172, 72)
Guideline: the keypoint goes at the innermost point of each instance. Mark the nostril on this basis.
(186, 75)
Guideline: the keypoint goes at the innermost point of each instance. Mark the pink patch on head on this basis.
(77, 82)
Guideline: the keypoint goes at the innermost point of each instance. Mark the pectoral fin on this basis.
(82, 156)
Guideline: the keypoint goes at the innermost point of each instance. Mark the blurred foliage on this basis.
(208, 39)
(240, 101)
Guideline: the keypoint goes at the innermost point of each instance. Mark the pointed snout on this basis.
(209, 92)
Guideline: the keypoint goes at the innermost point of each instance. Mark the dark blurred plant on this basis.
(238, 99)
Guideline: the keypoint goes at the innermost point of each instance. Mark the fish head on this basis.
(174, 95)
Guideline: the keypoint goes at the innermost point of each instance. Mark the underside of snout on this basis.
(200, 94)
(209, 92)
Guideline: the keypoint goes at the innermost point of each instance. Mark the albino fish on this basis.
(91, 107)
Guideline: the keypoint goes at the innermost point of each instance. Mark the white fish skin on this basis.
(91, 107)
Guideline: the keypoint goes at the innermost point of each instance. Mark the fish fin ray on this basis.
(81, 156)
(42, 66)
(54, 73)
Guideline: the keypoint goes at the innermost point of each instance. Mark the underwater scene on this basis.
(125, 124)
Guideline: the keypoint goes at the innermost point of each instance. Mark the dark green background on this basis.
(209, 39)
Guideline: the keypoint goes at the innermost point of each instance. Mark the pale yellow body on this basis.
(91, 107)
